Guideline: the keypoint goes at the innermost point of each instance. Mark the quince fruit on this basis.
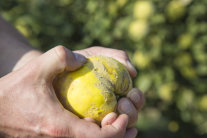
(93, 90)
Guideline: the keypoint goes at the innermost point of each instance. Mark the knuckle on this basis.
(61, 53)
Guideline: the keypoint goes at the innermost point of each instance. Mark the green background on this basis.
(166, 40)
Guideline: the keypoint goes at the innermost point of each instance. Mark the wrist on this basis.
(30, 55)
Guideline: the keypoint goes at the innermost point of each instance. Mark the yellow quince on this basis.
(93, 90)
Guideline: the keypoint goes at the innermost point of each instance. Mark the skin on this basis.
(28, 101)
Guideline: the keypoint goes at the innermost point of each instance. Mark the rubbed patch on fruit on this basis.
(93, 90)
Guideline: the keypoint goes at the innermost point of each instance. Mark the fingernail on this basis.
(125, 107)
(80, 58)
(132, 68)
(135, 97)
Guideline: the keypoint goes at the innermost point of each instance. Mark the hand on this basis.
(28, 101)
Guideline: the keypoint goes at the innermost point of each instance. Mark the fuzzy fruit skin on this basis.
(92, 91)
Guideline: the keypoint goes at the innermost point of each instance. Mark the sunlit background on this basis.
(166, 40)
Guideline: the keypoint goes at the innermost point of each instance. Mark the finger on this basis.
(137, 98)
(121, 122)
(117, 128)
(108, 119)
(57, 60)
(119, 55)
(125, 106)
(131, 133)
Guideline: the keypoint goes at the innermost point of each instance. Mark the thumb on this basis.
(57, 60)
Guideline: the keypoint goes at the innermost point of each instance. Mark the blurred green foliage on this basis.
(166, 41)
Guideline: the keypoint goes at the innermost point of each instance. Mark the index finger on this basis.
(119, 55)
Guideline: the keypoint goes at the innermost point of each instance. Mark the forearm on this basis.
(15, 50)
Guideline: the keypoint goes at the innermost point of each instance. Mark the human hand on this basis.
(28, 101)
